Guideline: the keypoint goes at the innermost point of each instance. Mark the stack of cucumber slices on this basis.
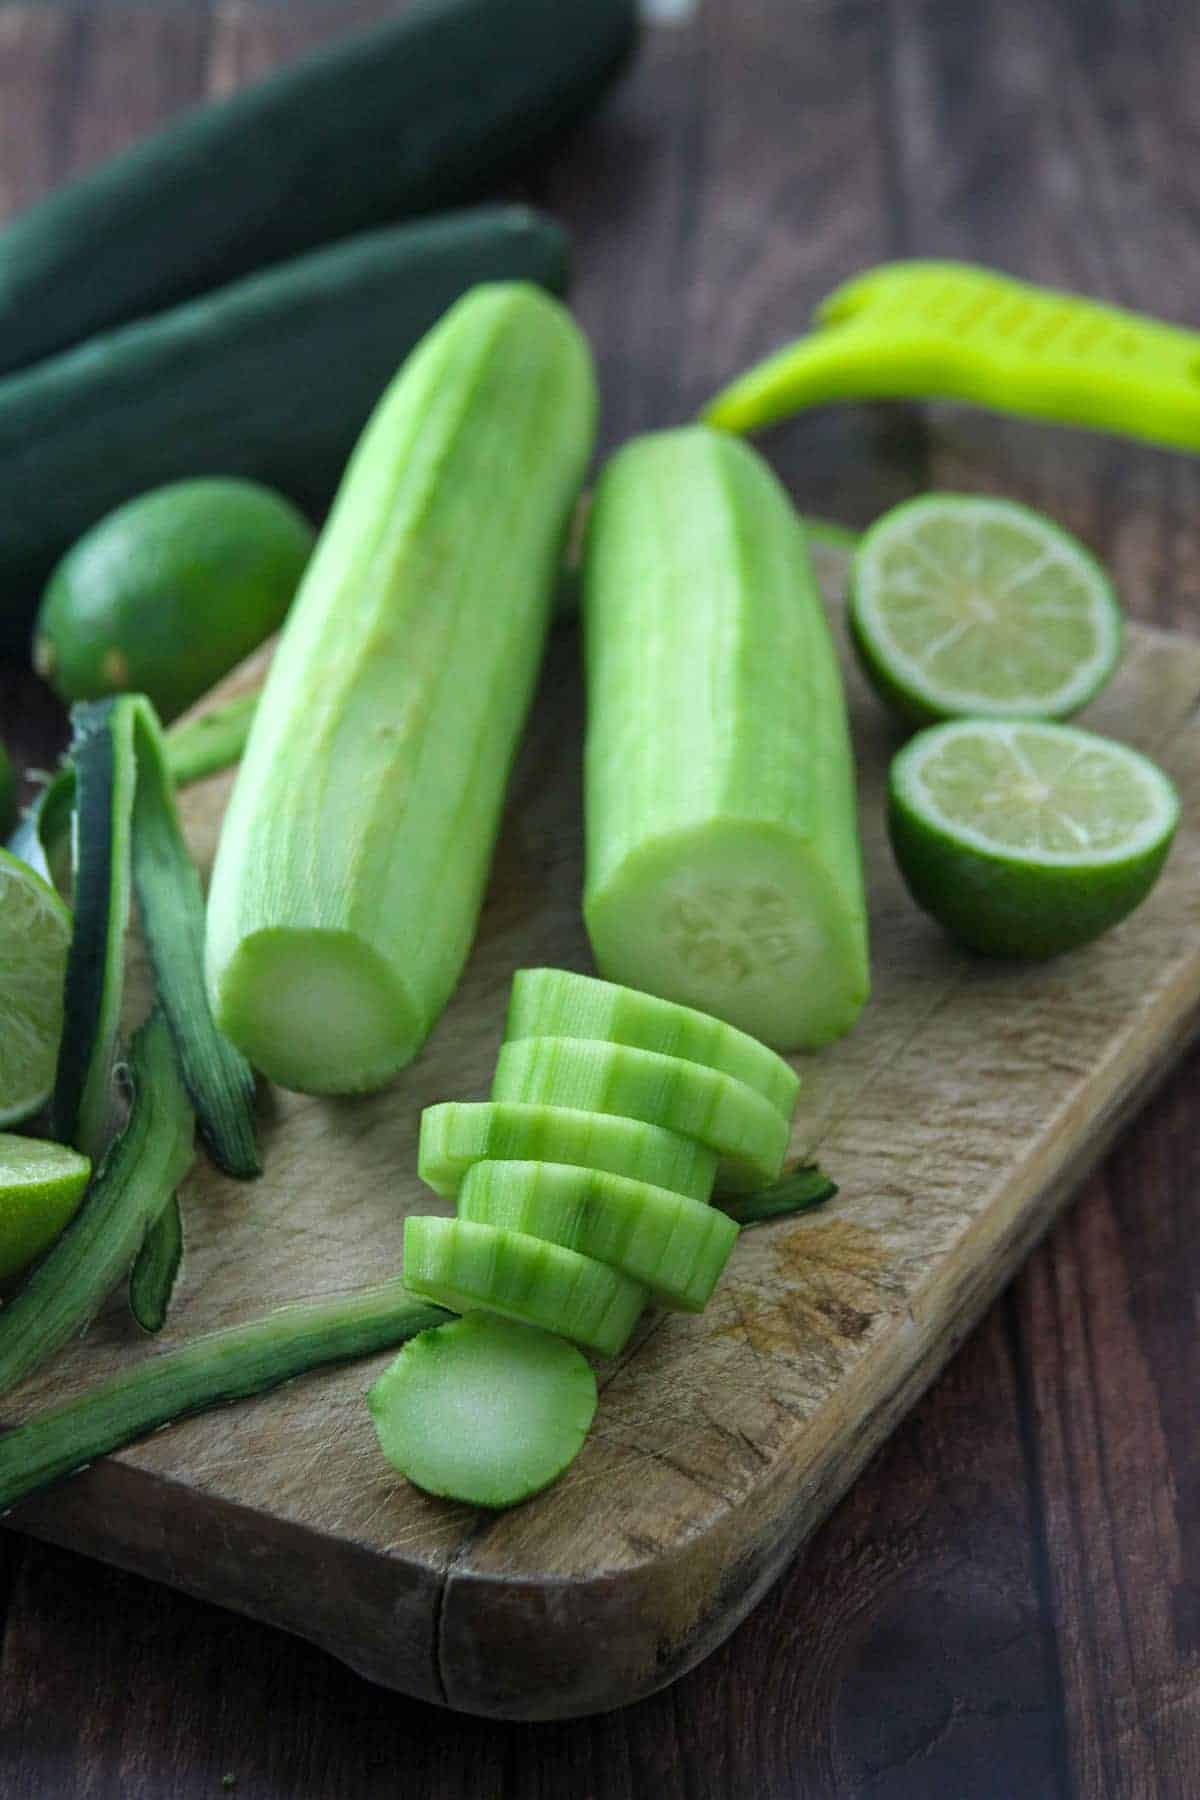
(582, 1191)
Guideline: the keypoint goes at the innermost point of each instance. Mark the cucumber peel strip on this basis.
(197, 748)
(221, 1366)
(797, 1190)
(142, 1169)
(126, 829)
(154, 1273)
(193, 748)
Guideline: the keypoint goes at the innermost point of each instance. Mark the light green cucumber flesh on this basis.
(723, 862)
(673, 1246)
(355, 850)
(484, 1410)
(210, 1371)
(559, 1003)
(748, 1134)
(458, 1134)
(469, 1268)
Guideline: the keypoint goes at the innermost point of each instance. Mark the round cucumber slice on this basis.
(484, 1410)
(559, 1003)
(674, 1246)
(458, 1134)
(715, 1109)
(469, 1267)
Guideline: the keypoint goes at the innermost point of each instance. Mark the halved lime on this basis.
(41, 1185)
(966, 605)
(1026, 839)
(35, 931)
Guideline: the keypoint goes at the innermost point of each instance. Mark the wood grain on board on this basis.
(956, 1118)
(1005, 1602)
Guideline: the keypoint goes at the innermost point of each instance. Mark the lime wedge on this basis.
(41, 1186)
(35, 930)
(966, 605)
(1026, 839)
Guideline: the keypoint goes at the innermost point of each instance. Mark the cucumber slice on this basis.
(674, 1246)
(557, 1003)
(701, 1103)
(458, 1134)
(484, 1410)
(723, 862)
(468, 1267)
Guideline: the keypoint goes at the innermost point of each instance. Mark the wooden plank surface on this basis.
(949, 1632)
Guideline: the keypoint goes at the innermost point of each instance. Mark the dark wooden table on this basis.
(1008, 1603)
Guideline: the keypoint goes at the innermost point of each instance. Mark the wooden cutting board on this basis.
(957, 1118)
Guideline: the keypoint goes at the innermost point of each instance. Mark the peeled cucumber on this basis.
(458, 1134)
(715, 1109)
(484, 1410)
(723, 862)
(355, 850)
(559, 1003)
(674, 1246)
(469, 1267)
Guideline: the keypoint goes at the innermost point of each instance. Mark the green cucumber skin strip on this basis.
(227, 1365)
(82, 1106)
(142, 1169)
(723, 867)
(195, 748)
(424, 611)
(156, 1269)
(798, 1190)
(559, 1003)
(252, 379)
(205, 745)
(171, 907)
(413, 116)
(456, 1135)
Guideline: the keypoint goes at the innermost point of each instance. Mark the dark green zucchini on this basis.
(272, 378)
(427, 111)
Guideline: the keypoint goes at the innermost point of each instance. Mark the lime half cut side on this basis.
(35, 932)
(41, 1185)
(965, 605)
(1025, 839)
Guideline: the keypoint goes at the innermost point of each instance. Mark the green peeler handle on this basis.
(927, 330)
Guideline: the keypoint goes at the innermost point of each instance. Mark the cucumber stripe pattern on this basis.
(621, 1218)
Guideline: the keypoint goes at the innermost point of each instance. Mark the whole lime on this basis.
(170, 591)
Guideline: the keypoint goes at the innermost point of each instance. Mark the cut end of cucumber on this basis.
(483, 1410)
(317, 1011)
(739, 923)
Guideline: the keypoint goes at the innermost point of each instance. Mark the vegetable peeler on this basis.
(942, 330)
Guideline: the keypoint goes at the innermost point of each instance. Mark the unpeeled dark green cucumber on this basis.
(272, 378)
(423, 112)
